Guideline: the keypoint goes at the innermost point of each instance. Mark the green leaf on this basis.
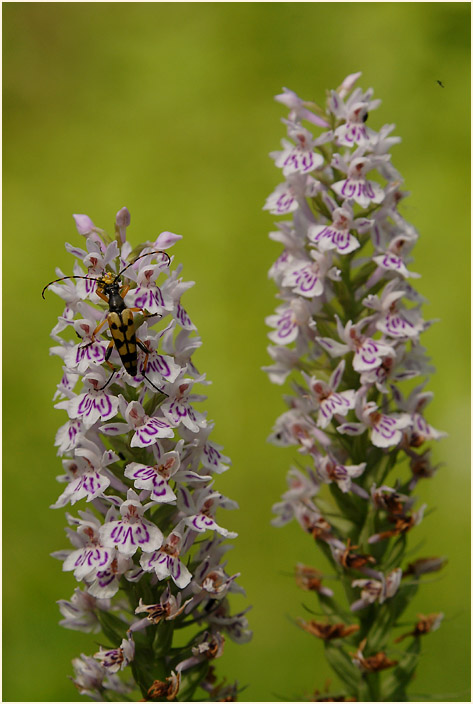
(341, 523)
(325, 550)
(163, 638)
(112, 626)
(146, 670)
(331, 608)
(154, 401)
(394, 686)
(162, 514)
(350, 505)
(191, 680)
(363, 273)
(388, 614)
(372, 680)
(342, 664)
(119, 445)
(396, 554)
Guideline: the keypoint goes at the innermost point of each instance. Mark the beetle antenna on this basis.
(108, 381)
(90, 278)
(140, 257)
(153, 385)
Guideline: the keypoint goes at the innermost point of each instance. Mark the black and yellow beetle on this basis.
(119, 318)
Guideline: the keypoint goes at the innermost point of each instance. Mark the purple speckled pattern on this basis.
(128, 537)
(342, 240)
(90, 286)
(351, 428)
(331, 238)
(72, 431)
(93, 558)
(286, 328)
(305, 280)
(68, 436)
(184, 494)
(161, 490)
(300, 161)
(396, 325)
(358, 189)
(326, 233)
(150, 299)
(212, 455)
(369, 355)
(154, 479)
(335, 403)
(106, 578)
(201, 523)
(284, 203)
(178, 410)
(351, 134)
(150, 433)
(184, 319)
(390, 261)
(175, 568)
(144, 472)
(93, 404)
(94, 353)
(159, 365)
(386, 427)
(337, 375)
(123, 534)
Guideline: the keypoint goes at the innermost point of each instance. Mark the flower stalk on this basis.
(147, 545)
(346, 334)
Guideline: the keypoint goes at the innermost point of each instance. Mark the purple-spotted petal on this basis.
(149, 433)
(93, 406)
(282, 200)
(200, 523)
(88, 560)
(387, 430)
(361, 191)
(336, 403)
(286, 328)
(213, 459)
(183, 318)
(162, 367)
(89, 485)
(182, 412)
(370, 355)
(128, 537)
(115, 429)
(351, 428)
(335, 349)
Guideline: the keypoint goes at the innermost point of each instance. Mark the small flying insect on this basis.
(119, 318)
(440, 83)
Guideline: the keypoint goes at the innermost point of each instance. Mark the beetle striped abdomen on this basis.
(122, 329)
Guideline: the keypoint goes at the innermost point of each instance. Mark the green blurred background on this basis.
(168, 108)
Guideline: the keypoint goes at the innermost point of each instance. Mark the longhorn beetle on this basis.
(119, 318)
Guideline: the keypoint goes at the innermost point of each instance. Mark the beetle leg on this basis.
(108, 353)
(112, 367)
(143, 347)
(96, 331)
(107, 357)
(145, 314)
(102, 296)
(146, 350)
(109, 378)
